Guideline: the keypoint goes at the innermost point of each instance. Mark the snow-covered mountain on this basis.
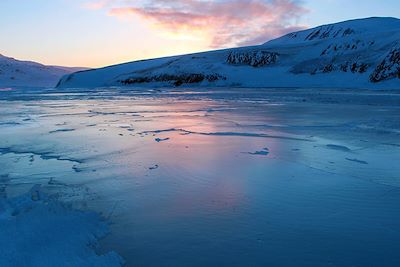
(26, 73)
(351, 54)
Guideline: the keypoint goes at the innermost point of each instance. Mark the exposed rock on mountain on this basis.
(175, 80)
(252, 58)
(325, 32)
(389, 68)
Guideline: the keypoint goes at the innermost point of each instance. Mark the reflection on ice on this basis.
(216, 178)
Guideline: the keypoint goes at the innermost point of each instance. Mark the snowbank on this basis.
(39, 230)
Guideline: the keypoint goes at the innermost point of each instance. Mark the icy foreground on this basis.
(221, 177)
(38, 230)
(362, 53)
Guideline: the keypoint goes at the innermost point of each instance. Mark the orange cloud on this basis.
(227, 22)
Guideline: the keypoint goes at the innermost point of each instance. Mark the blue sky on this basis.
(102, 32)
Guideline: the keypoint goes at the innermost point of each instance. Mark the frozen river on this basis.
(241, 177)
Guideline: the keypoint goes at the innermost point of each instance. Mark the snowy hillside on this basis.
(362, 53)
(26, 73)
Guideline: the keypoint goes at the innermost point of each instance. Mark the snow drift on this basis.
(39, 230)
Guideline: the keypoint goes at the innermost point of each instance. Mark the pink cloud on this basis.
(228, 22)
(96, 5)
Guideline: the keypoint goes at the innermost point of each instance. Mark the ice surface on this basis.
(211, 195)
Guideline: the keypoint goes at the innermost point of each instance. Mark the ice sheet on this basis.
(238, 177)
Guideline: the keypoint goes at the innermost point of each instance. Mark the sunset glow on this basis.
(96, 33)
(199, 133)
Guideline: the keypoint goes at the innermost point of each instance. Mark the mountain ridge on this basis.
(14, 72)
(356, 53)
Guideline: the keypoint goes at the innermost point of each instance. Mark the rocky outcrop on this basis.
(327, 66)
(346, 47)
(252, 58)
(175, 80)
(353, 67)
(328, 32)
(389, 68)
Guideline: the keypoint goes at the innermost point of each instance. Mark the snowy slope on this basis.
(362, 53)
(26, 73)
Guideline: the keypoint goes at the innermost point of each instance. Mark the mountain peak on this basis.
(345, 29)
(27, 73)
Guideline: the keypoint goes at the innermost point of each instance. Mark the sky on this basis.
(95, 33)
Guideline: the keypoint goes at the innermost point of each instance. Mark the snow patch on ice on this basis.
(39, 230)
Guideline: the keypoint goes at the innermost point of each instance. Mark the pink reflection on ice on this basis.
(6, 89)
